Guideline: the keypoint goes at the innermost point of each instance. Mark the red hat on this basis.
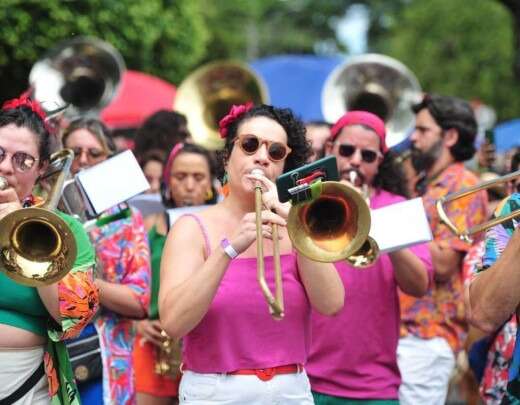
(361, 118)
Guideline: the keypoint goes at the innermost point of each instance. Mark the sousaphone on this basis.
(208, 93)
(375, 83)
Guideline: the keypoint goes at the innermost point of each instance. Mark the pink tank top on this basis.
(238, 331)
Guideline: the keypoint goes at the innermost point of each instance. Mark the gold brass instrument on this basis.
(207, 95)
(37, 247)
(464, 234)
(375, 83)
(84, 73)
(168, 361)
(275, 302)
(333, 226)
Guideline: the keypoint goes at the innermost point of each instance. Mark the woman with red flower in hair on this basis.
(233, 350)
(34, 321)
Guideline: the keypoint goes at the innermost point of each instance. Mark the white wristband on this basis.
(228, 249)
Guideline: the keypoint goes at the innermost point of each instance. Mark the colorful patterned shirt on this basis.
(500, 345)
(123, 258)
(440, 313)
(496, 241)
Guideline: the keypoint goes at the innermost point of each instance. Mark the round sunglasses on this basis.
(367, 155)
(92, 153)
(276, 151)
(21, 161)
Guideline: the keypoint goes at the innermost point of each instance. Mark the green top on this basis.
(21, 306)
(156, 241)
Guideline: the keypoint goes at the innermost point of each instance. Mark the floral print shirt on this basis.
(496, 241)
(440, 313)
(123, 258)
(500, 344)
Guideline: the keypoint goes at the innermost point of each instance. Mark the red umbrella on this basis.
(139, 96)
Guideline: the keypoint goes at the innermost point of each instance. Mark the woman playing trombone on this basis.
(209, 295)
(35, 320)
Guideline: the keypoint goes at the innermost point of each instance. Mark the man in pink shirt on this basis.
(353, 354)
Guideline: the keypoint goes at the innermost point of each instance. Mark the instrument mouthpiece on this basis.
(3, 183)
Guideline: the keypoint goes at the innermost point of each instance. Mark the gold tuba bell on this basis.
(37, 247)
(207, 95)
(375, 83)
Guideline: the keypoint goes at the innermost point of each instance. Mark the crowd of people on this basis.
(166, 308)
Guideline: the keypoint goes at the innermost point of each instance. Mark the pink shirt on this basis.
(238, 332)
(353, 355)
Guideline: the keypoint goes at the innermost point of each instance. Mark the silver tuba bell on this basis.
(375, 83)
(82, 73)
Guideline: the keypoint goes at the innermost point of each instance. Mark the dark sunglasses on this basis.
(92, 153)
(368, 155)
(251, 143)
(21, 161)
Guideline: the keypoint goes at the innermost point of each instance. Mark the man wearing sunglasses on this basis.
(353, 354)
(434, 326)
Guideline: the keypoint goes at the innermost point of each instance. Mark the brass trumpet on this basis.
(275, 301)
(464, 234)
(169, 355)
(37, 247)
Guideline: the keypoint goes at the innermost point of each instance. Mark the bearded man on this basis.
(433, 327)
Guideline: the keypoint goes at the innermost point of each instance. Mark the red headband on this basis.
(173, 154)
(236, 112)
(361, 118)
(25, 101)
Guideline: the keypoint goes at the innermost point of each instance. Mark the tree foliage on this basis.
(458, 50)
(162, 37)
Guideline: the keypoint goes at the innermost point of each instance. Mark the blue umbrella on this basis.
(296, 81)
(507, 135)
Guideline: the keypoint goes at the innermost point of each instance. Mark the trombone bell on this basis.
(37, 247)
(331, 227)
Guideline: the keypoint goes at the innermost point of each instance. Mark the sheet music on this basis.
(175, 213)
(400, 225)
(113, 181)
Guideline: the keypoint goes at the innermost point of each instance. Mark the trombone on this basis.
(464, 234)
(275, 302)
(37, 247)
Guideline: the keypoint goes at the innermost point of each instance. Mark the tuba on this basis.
(375, 83)
(207, 95)
(37, 247)
(82, 73)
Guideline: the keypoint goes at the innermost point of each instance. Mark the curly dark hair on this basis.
(294, 128)
(24, 117)
(161, 130)
(452, 112)
(390, 175)
(199, 150)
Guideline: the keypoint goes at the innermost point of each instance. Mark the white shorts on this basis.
(209, 389)
(16, 366)
(426, 366)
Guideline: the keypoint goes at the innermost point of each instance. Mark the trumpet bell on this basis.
(207, 95)
(37, 247)
(375, 83)
(366, 255)
(333, 226)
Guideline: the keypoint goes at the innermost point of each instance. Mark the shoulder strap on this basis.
(204, 232)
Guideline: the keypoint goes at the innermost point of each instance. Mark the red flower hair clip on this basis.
(25, 101)
(236, 112)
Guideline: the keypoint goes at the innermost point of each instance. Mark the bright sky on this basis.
(352, 29)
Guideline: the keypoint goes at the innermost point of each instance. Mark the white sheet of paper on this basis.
(113, 181)
(147, 204)
(400, 225)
